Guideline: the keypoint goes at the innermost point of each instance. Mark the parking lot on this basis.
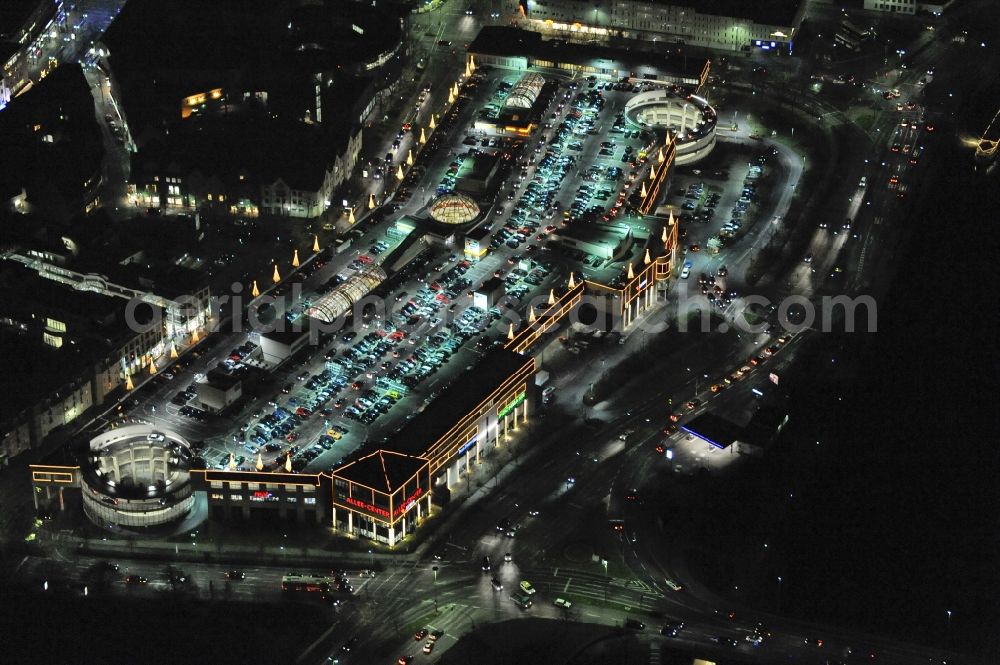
(581, 166)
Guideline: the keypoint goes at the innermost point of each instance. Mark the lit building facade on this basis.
(747, 26)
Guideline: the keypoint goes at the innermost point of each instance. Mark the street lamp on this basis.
(779, 594)
(947, 634)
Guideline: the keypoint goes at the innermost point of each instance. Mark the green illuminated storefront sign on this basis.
(510, 407)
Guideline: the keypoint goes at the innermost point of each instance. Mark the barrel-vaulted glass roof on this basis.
(525, 92)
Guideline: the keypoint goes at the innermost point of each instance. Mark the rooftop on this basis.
(773, 12)
(453, 209)
(384, 470)
(514, 42)
(459, 399)
(714, 429)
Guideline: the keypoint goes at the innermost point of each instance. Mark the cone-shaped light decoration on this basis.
(260, 463)
(173, 350)
(643, 191)
(128, 382)
(652, 174)
(423, 137)
(472, 63)
(295, 259)
(531, 315)
(255, 292)
(647, 259)
(371, 202)
(194, 336)
(288, 463)
(409, 158)
(451, 96)
(399, 172)
(315, 244)
(663, 236)
(670, 222)
(232, 461)
(631, 273)
(552, 296)
(572, 282)
(468, 72)
(661, 158)
(510, 331)
(455, 89)
(433, 122)
(350, 216)
(275, 276)
(152, 365)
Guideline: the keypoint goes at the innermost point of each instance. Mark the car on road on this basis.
(813, 641)
(563, 603)
(486, 564)
(507, 557)
(420, 634)
(671, 628)
(497, 584)
(349, 644)
(634, 624)
(235, 575)
(672, 585)
(436, 635)
(135, 579)
(428, 646)
(527, 588)
(404, 660)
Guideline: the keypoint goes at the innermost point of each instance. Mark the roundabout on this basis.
(690, 119)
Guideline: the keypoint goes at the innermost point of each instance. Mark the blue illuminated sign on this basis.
(468, 444)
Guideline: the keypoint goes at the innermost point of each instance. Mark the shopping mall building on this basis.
(381, 495)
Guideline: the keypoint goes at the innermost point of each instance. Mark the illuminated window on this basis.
(57, 326)
(310, 500)
(52, 340)
(217, 496)
(235, 497)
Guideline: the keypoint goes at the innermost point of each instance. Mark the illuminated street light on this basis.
(255, 292)
(295, 258)
(275, 276)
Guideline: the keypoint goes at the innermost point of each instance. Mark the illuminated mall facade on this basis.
(381, 496)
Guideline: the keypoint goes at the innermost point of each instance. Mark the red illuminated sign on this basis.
(409, 502)
(367, 506)
(381, 511)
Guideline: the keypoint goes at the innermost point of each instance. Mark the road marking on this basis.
(566, 587)
(555, 573)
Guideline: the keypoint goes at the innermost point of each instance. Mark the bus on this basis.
(319, 583)
(849, 43)
(854, 32)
